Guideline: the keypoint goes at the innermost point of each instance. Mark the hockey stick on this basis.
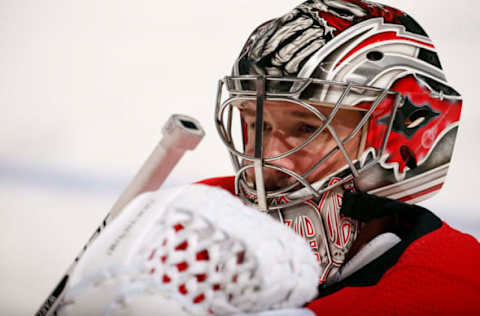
(180, 133)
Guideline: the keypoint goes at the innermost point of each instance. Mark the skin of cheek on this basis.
(317, 151)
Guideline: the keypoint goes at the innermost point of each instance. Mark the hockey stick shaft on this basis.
(180, 133)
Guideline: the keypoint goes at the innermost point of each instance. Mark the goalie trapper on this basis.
(193, 250)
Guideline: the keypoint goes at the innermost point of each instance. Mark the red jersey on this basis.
(432, 271)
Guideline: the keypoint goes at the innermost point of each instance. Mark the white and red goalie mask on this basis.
(342, 55)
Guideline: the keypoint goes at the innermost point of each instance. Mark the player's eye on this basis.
(307, 128)
(266, 126)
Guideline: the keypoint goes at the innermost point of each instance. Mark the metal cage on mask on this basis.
(263, 88)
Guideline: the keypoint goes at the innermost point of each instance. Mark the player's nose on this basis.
(274, 145)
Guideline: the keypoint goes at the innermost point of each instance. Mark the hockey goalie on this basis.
(338, 119)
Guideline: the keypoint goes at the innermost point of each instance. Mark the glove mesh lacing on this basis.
(202, 263)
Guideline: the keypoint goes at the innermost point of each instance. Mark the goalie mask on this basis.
(336, 95)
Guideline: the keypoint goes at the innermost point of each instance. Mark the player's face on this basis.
(286, 126)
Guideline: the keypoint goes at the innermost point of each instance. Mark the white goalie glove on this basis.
(193, 250)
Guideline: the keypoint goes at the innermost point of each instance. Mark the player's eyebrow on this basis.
(304, 115)
(298, 114)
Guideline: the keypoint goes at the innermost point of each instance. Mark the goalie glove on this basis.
(192, 250)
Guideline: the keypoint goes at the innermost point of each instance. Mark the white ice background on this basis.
(85, 87)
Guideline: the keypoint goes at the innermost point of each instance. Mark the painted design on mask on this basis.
(410, 118)
(329, 234)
